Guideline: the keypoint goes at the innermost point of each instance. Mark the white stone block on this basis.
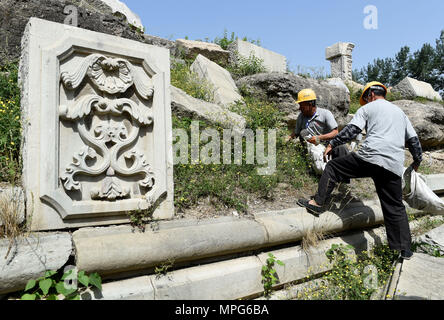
(421, 278)
(96, 125)
(130, 289)
(227, 280)
(226, 92)
(186, 105)
(119, 6)
(435, 182)
(411, 88)
(191, 49)
(273, 62)
(30, 257)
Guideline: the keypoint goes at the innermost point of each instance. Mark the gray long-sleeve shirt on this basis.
(388, 129)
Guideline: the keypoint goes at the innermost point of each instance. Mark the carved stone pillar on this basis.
(340, 57)
(97, 127)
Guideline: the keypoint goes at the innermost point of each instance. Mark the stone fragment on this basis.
(130, 289)
(226, 92)
(282, 89)
(97, 127)
(185, 105)
(428, 121)
(272, 61)
(92, 15)
(119, 6)
(421, 278)
(191, 49)
(410, 88)
(340, 57)
(30, 257)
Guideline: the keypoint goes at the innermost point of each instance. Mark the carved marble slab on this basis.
(97, 127)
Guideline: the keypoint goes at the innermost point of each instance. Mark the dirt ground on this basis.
(285, 196)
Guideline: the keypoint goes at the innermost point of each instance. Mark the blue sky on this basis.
(300, 30)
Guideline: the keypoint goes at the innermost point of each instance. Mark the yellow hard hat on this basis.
(368, 86)
(306, 95)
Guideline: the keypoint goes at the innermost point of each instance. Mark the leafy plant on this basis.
(269, 274)
(183, 78)
(10, 127)
(354, 276)
(162, 270)
(53, 286)
(225, 41)
(243, 66)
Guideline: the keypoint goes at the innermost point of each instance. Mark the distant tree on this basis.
(422, 64)
(380, 70)
(400, 66)
(426, 64)
(438, 71)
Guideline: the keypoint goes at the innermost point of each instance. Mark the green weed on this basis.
(10, 127)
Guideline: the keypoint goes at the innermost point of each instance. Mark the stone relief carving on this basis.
(109, 126)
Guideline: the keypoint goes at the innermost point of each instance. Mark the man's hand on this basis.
(415, 167)
(313, 140)
(327, 152)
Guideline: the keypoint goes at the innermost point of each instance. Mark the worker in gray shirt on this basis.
(316, 125)
(380, 157)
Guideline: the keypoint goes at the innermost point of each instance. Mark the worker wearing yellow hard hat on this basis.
(367, 89)
(315, 125)
(380, 157)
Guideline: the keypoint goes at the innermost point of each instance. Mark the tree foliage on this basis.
(425, 64)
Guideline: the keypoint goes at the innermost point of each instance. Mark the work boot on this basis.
(316, 211)
(406, 254)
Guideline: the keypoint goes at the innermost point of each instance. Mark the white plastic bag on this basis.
(316, 153)
(418, 195)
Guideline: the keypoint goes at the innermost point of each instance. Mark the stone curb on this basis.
(119, 249)
(233, 279)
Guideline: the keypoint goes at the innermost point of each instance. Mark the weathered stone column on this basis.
(340, 57)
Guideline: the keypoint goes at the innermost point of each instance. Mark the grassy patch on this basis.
(10, 127)
(353, 277)
(231, 185)
(183, 78)
(246, 66)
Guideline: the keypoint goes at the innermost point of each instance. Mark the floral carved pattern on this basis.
(109, 126)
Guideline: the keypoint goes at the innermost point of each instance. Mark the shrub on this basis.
(10, 128)
(246, 66)
(183, 78)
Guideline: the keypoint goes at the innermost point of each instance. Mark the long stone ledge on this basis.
(239, 278)
(236, 278)
(119, 249)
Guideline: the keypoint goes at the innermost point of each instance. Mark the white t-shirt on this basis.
(388, 129)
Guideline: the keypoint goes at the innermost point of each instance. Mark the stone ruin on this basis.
(97, 127)
(340, 57)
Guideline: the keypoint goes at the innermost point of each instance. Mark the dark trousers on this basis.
(339, 151)
(388, 187)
